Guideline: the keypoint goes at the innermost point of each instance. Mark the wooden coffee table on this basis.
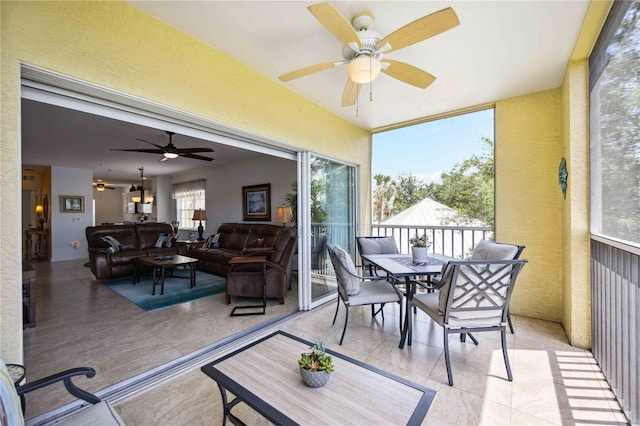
(160, 265)
(265, 375)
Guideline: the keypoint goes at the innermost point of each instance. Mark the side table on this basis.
(246, 260)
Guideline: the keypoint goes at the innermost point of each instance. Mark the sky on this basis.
(428, 149)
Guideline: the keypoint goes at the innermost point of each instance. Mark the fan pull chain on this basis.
(370, 81)
(357, 99)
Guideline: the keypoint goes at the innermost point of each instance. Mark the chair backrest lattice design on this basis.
(478, 289)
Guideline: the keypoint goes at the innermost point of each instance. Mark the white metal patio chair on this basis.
(357, 290)
(474, 297)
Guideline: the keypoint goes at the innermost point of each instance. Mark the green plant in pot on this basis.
(316, 365)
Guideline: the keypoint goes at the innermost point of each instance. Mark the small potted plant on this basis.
(316, 365)
(420, 244)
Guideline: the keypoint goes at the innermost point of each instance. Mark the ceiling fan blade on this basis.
(193, 150)
(421, 29)
(335, 23)
(302, 72)
(350, 93)
(196, 157)
(151, 143)
(408, 73)
(149, 151)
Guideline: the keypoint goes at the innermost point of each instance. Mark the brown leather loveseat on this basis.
(136, 240)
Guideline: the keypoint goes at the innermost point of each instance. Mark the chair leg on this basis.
(505, 355)
(463, 338)
(447, 358)
(473, 339)
(510, 323)
(346, 321)
(379, 311)
(336, 314)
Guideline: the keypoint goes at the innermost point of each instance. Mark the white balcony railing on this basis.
(454, 241)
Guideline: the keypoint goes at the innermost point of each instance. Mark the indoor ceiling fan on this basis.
(364, 49)
(101, 186)
(170, 151)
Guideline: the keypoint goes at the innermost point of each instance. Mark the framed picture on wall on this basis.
(71, 204)
(256, 202)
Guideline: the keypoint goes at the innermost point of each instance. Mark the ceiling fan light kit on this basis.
(364, 69)
(363, 48)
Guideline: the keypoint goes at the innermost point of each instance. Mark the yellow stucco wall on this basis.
(576, 317)
(575, 208)
(115, 45)
(528, 198)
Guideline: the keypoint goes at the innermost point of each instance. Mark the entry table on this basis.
(41, 242)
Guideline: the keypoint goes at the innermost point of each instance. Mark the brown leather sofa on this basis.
(235, 239)
(137, 239)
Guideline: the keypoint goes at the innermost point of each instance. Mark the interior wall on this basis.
(109, 206)
(224, 194)
(528, 199)
(115, 45)
(69, 227)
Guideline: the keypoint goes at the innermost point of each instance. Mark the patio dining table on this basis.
(401, 266)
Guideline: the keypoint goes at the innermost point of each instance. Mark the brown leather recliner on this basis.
(245, 280)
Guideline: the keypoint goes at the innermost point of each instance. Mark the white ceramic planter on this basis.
(419, 254)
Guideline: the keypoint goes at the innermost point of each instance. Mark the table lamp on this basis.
(200, 215)
(283, 214)
(39, 212)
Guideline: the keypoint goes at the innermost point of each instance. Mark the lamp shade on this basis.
(199, 215)
(39, 209)
(100, 187)
(283, 214)
(363, 69)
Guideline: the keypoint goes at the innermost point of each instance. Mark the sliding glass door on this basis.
(330, 186)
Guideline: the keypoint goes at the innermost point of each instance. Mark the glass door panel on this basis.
(332, 210)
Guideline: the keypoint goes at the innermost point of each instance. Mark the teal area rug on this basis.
(176, 290)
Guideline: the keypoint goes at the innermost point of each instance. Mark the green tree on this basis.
(409, 191)
(469, 187)
(383, 196)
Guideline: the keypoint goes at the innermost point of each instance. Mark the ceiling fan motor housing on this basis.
(368, 41)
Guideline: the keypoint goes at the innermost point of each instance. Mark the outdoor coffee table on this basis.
(265, 375)
(160, 265)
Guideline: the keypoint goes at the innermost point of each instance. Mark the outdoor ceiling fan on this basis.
(364, 49)
(170, 151)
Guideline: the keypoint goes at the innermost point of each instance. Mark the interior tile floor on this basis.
(80, 322)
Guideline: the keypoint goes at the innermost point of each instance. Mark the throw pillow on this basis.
(170, 241)
(214, 241)
(347, 270)
(161, 240)
(112, 244)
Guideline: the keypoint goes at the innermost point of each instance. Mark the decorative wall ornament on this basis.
(563, 174)
(71, 204)
(256, 202)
